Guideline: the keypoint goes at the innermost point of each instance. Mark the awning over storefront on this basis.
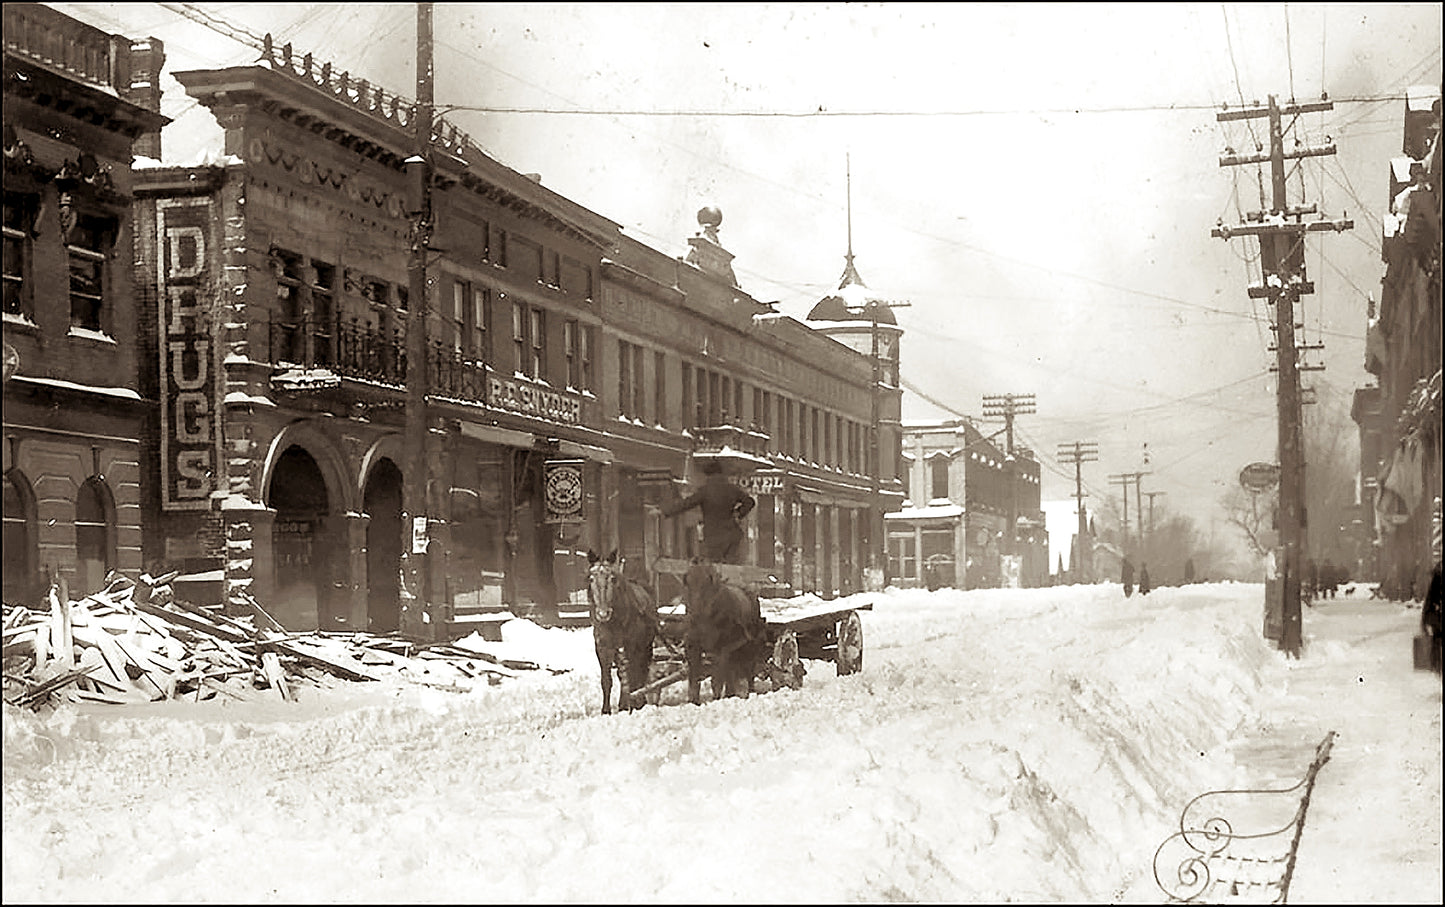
(495, 434)
(814, 496)
(936, 512)
(588, 451)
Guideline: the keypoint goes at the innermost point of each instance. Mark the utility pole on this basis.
(417, 617)
(1125, 479)
(1006, 406)
(1079, 453)
(1151, 495)
(1281, 232)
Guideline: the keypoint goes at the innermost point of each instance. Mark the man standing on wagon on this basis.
(723, 506)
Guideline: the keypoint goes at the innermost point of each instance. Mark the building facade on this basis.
(76, 101)
(952, 529)
(1400, 417)
(705, 372)
(574, 375)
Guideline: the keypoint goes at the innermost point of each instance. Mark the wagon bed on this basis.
(797, 628)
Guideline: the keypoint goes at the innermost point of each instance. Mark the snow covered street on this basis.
(999, 745)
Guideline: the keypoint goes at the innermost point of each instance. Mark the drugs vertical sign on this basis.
(190, 442)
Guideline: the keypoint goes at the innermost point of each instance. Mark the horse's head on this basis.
(604, 577)
(700, 580)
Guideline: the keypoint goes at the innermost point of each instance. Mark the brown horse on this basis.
(725, 623)
(624, 623)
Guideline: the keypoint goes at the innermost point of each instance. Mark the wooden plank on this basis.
(60, 629)
(193, 622)
(300, 650)
(275, 675)
(101, 641)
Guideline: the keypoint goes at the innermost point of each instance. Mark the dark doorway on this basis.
(306, 546)
(382, 502)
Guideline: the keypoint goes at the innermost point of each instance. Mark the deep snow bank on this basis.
(1001, 744)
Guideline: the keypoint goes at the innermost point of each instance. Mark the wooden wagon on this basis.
(796, 629)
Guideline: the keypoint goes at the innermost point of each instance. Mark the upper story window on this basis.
(20, 212)
(577, 348)
(87, 249)
(529, 339)
(461, 309)
(659, 387)
(537, 362)
(938, 468)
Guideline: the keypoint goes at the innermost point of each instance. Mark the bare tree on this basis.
(1252, 515)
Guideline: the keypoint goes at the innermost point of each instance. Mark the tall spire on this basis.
(848, 175)
(850, 273)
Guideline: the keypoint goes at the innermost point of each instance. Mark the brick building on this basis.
(76, 101)
(953, 526)
(1399, 418)
(563, 356)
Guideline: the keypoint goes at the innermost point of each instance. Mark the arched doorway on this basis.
(19, 546)
(307, 544)
(94, 534)
(382, 503)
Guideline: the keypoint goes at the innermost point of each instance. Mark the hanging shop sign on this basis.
(190, 438)
(1259, 477)
(562, 490)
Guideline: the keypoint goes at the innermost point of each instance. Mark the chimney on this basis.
(147, 59)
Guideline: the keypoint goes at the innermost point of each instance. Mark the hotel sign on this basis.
(531, 400)
(190, 436)
(764, 481)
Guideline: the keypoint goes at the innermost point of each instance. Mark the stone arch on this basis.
(387, 447)
(310, 437)
(21, 539)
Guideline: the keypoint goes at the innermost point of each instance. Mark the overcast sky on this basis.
(1037, 181)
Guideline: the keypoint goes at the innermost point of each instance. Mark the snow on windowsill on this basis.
(88, 334)
(122, 392)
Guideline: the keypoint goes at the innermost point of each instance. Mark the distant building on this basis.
(1400, 417)
(1062, 521)
(77, 102)
(952, 529)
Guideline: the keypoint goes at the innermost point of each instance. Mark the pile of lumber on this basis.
(136, 642)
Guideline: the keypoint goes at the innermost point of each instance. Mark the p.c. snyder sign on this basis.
(190, 441)
(520, 397)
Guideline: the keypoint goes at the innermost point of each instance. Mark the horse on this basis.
(624, 624)
(725, 622)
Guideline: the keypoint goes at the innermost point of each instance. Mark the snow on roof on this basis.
(935, 512)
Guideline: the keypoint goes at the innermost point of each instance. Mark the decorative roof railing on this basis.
(373, 100)
(67, 45)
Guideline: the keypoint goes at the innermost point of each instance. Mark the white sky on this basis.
(1030, 745)
(1048, 224)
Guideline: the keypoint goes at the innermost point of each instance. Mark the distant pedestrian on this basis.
(1143, 579)
(1127, 576)
(1189, 571)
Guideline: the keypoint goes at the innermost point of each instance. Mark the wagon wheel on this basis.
(785, 668)
(850, 644)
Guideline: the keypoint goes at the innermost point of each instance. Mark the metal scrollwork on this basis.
(1207, 857)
